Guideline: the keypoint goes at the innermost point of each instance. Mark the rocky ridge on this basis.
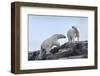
(69, 50)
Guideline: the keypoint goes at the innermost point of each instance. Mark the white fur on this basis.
(72, 35)
(50, 42)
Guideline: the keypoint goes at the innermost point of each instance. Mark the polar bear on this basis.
(73, 33)
(47, 44)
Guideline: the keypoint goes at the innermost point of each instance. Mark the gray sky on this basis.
(42, 27)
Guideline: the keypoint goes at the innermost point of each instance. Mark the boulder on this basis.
(69, 50)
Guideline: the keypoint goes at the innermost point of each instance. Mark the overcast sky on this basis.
(42, 27)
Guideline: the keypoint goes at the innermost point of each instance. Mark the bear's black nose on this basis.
(64, 37)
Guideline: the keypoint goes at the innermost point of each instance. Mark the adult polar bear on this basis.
(47, 44)
(73, 33)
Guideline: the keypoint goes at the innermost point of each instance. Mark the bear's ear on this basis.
(72, 26)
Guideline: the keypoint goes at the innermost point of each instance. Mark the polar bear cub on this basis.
(47, 44)
(73, 33)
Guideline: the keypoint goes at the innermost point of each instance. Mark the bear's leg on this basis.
(48, 50)
(40, 55)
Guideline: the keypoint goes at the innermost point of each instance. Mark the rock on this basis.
(69, 50)
(75, 57)
(54, 50)
(72, 57)
(50, 56)
(33, 55)
(63, 53)
(68, 45)
(72, 50)
(30, 54)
